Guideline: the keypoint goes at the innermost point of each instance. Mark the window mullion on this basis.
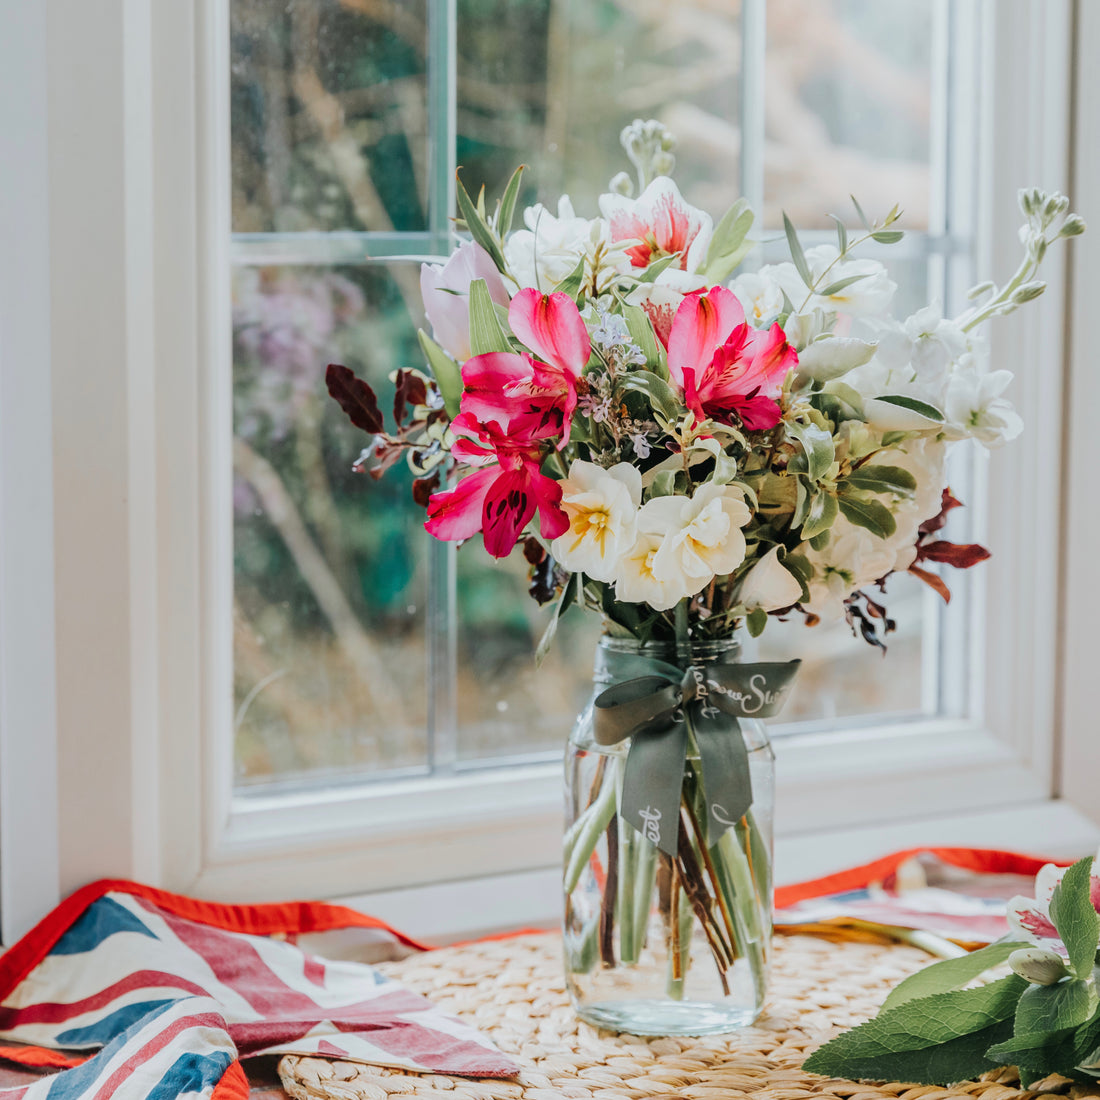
(754, 45)
(441, 619)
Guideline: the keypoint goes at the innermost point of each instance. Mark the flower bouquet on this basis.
(685, 451)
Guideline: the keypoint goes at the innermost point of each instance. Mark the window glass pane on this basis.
(848, 108)
(551, 83)
(507, 706)
(329, 566)
(329, 115)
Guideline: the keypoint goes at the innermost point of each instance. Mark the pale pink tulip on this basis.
(445, 289)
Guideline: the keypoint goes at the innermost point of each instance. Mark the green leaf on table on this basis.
(882, 479)
(934, 1040)
(477, 225)
(1039, 1055)
(506, 210)
(913, 405)
(817, 446)
(446, 372)
(1075, 917)
(486, 334)
(870, 514)
(797, 255)
(950, 974)
(729, 244)
(1044, 1008)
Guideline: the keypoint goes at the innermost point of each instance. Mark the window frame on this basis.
(142, 664)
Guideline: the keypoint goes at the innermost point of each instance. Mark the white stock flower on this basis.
(602, 506)
(852, 558)
(924, 341)
(769, 585)
(975, 408)
(878, 379)
(701, 534)
(637, 583)
(869, 296)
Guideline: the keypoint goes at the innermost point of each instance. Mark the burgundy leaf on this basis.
(410, 391)
(423, 487)
(960, 555)
(385, 456)
(933, 582)
(947, 502)
(355, 397)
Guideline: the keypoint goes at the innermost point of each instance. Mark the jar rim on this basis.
(700, 647)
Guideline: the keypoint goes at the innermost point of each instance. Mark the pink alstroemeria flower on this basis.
(723, 365)
(662, 223)
(532, 393)
(501, 498)
(1029, 918)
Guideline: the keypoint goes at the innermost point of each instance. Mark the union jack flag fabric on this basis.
(136, 993)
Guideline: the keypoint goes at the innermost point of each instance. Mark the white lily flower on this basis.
(701, 534)
(769, 585)
(760, 295)
(602, 506)
(637, 583)
(975, 409)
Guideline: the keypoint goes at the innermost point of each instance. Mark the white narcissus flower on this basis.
(701, 534)
(445, 289)
(637, 583)
(975, 408)
(769, 585)
(602, 506)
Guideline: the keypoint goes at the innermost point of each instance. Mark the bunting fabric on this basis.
(135, 993)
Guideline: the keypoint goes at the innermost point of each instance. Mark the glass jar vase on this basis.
(671, 939)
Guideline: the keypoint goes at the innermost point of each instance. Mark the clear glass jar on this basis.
(655, 945)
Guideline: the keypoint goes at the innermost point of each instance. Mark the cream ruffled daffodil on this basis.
(701, 535)
(602, 506)
(637, 583)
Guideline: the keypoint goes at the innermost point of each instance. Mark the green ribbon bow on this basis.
(657, 712)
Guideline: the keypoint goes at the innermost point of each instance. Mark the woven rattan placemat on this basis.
(513, 991)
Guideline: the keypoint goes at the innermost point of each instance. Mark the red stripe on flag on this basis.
(154, 1047)
(48, 1012)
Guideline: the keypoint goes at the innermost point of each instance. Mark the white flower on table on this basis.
(602, 506)
(701, 535)
(975, 408)
(769, 585)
